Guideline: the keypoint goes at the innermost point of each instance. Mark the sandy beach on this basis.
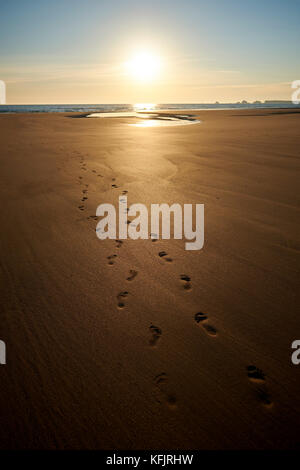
(199, 355)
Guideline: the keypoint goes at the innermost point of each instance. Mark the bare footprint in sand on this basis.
(187, 281)
(201, 318)
(257, 376)
(156, 334)
(264, 396)
(163, 254)
(121, 297)
(111, 259)
(163, 392)
(132, 275)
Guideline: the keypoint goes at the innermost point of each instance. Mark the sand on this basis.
(199, 356)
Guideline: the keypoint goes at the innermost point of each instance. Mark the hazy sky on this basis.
(73, 51)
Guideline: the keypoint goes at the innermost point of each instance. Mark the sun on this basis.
(144, 66)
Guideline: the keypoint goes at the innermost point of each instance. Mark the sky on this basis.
(75, 51)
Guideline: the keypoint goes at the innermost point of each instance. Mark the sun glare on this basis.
(138, 107)
(144, 66)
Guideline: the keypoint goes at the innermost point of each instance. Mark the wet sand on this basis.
(111, 345)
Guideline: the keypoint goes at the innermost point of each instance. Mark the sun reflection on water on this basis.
(138, 107)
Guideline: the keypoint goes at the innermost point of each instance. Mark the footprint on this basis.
(132, 275)
(114, 186)
(163, 254)
(124, 192)
(202, 319)
(258, 376)
(160, 378)
(111, 259)
(255, 374)
(264, 396)
(187, 280)
(81, 208)
(163, 392)
(199, 317)
(210, 330)
(121, 298)
(156, 334)
(154, 237)
(119, 243)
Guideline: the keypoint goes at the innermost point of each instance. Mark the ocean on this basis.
(102, 108)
